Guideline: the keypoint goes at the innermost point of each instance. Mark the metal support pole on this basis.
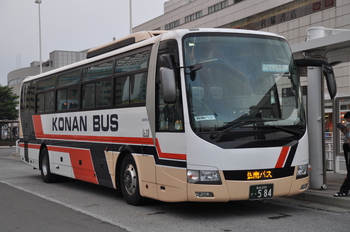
(41, 60)
(130, 13)
(316, 127)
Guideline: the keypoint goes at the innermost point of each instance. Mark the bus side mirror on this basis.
(327, 71)
(168, 85)
(166, 61)
(330, 80)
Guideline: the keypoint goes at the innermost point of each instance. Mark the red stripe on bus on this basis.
(102, 139)
(81, 162)
(39, 133)
(32, 146)
(169, 155)
(38, 127)
(282, 157)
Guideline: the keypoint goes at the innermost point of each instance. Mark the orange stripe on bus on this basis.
(81, 162)
(282, 157)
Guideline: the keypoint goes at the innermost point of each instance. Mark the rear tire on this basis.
(129, 181)
(46, 174)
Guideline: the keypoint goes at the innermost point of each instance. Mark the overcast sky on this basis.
(72, 25)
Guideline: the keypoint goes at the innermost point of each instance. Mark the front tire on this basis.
(46, 174)
(130, 181)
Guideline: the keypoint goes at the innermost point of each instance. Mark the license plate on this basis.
(261, 191)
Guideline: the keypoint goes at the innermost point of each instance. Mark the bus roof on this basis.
(181, 32)
(125, 41)
(142, 38)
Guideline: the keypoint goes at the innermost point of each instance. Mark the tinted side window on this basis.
(48, 83)
(130, 82)
(68, 78)
(98, 71)
(68, 98)
(169, 116)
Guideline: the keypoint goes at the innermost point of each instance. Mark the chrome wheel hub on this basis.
(130, 179)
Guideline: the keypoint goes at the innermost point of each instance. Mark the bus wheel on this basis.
(46, 174)
(129, 181)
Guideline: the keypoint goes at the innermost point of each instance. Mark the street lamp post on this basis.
(41, 61)
(130, 9)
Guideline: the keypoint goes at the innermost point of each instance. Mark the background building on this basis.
(57, 59)
(15, 78)
(289, 18)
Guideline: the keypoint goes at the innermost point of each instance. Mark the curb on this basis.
(342, 202)
(15, 154)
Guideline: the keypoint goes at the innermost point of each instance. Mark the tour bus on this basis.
(201, 115)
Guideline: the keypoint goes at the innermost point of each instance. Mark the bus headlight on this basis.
(203, 177)
(302, 171)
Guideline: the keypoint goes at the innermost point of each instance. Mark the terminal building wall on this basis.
(289, 18)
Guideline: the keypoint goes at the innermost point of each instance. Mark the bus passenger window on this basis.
(73, 97)
(45, 102)
(30, 99)
(98, 71)
(103, 93)
(48, 83)
(88, 96)
(49, 101)
(68, 98)
(62, 99)
(69, 78)
(122, 90)
(132, 62)
(138, 88)
(40, 103)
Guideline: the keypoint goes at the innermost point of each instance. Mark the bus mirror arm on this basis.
(193, 69)
(327, 71)
(168, 85)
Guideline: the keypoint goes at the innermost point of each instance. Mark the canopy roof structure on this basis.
(330, 44)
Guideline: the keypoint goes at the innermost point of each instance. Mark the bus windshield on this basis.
(245, 82)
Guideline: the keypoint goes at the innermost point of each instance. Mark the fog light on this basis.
(204, 194)
(302, 171)
(304, 186)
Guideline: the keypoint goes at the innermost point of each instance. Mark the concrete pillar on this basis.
(315, 98)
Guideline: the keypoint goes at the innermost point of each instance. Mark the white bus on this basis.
(186, 115)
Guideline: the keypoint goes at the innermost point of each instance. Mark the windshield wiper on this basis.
(238, 124)
(285, 129)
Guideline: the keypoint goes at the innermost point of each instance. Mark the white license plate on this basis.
(261, 191)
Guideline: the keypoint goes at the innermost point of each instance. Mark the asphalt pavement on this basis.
(321, 196)
(32, 213)
(24, 211)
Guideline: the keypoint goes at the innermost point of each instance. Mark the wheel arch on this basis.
(42, 146)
